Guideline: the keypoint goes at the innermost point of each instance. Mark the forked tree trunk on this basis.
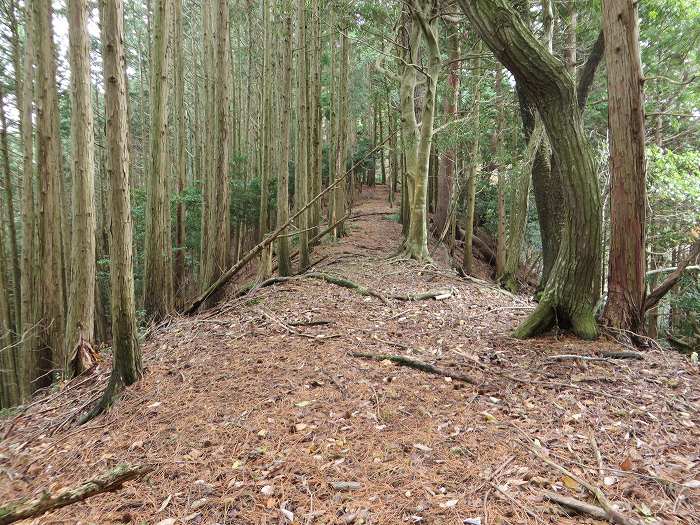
(126, 356)
(567, 297)
(80, 321)
(627, 262)
(416, 242)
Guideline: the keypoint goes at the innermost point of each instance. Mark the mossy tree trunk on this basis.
(567, 297)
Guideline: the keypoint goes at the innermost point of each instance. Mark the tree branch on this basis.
(660, 291)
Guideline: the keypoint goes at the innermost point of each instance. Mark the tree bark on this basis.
(283, 259)
(474, 162)
(127, 366)
(181, 166)
(158, 271)
(567, 297)
(448, 156)
(80, 321)
(627, 261)
(50, 199)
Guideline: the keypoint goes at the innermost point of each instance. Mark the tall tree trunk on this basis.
(126, 356)
(9, 372)
(448, 157)
(627, 262)
(50, 205)
(10, 201)
(416, 242)
(180, 218)
(29, 307)
(301, 173)
(474, 162)
(158, 271)
(496, 147)
(283, 260)
(339, 193)
(216, 253)
(567, 297)
(80, 321)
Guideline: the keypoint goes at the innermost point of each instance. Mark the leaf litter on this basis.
(245, 422)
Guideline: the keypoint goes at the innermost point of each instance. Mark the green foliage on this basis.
(674, 196)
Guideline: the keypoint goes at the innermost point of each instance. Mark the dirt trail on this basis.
(248, 409)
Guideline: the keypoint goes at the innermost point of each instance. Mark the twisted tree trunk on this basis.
(567, 297)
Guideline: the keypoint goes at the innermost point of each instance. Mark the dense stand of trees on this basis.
(151, 150)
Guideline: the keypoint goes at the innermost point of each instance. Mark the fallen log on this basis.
(417, 365)
(108, 482)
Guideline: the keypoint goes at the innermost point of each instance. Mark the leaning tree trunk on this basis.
(126, 355)
(567, 297)
(627, 263)
(80, 320)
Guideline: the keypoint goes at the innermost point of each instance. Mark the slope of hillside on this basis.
(261, 411)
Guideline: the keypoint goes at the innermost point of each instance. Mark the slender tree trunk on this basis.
(496, 146)
(283, 260)
(448, 157)
(158, 272)
(180, 218)
(126, 356)
(302, 165)
(29, 307)
(340, 205)
(474, 162)
(627, 264)
(9, 371)
(10, 201)
(80, 321)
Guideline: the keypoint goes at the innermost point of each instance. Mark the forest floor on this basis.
(250, 413)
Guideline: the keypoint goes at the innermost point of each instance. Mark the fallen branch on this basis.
(660, 291)
(108, 482)
(612, 515)
(622, 355)
(438, 295)
(228, 274)
(577, 505)
(417, 365)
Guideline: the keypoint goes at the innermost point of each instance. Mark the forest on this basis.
(332, 261)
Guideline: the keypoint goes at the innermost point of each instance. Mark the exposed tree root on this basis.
(108, 482)
(439, 294)
(417, 365)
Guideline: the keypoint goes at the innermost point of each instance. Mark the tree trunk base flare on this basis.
(582, 322)
(416, 251)
(417, 365)
(110, 481)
